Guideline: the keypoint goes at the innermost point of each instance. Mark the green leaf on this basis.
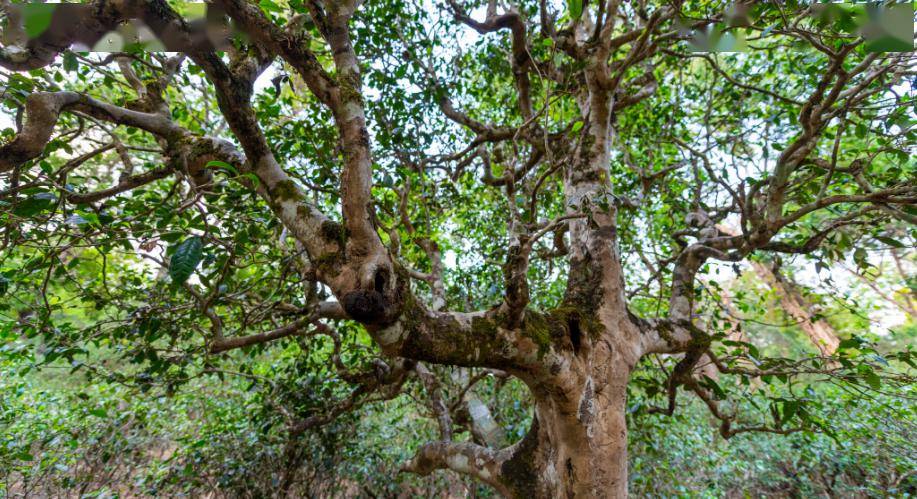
(717, 390)
(36, 18)
(873, 380)
(253, 178)
(789, 409)
(70, 62)
(185, 259)
(906, 358)
(860, 258)
(891, 242)
(269, 6)
(850, 343)
(4, 285)
(576, 8)
(224, 165)
(35, 205)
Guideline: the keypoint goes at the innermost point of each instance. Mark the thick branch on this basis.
(330, 310)
(464, 457)
(44, 108)
(125, 184)
(295, 328)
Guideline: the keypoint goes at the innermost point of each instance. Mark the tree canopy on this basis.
(342, 204)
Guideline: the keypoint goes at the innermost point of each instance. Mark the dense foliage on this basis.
(205, 253)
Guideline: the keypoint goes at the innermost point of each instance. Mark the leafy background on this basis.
(108, 389)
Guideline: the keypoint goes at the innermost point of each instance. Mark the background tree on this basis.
(528, 191)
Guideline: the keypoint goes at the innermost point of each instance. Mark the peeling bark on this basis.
(484, 427)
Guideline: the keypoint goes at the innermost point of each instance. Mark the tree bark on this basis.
(575, 447)
(587, 347)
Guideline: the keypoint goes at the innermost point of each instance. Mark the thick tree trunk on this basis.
(575, 448)
(576, 359)
(577, 443)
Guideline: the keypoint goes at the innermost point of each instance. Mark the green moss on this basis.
(285, 190)
(332, 231)
(537, 327)
(518, 472)
(412, 313)
(349, 86)
(584, 289)
(483, 327)
(588, 322)
(700, 340)
(328, 263)
(453, 339)
(586, 149)
(552, 329)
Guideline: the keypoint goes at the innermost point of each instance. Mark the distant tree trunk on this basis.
(910, 294)
(483, 425)
(822, 335)
(484, 428)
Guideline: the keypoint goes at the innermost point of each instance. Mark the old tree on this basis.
(546, 191)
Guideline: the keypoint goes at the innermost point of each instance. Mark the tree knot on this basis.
(366, 306)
